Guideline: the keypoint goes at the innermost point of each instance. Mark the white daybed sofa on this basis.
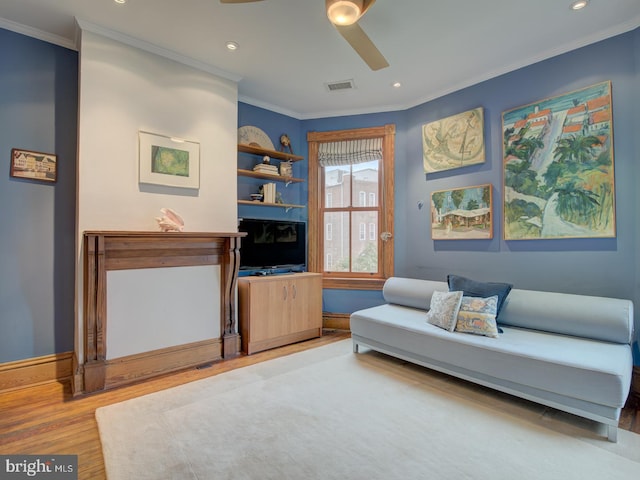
(570, 352)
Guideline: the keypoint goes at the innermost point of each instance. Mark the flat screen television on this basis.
(273, 244)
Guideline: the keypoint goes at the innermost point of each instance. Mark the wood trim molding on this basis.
(125, 370)
(336, 321)
(36, 371)
(635, 382)
(117, 250)
(353, 283)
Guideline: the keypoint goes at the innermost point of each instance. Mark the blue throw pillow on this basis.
(473, 288)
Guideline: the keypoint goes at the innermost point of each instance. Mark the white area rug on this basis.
(327, 413)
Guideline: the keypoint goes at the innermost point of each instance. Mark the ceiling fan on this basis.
(344, 15)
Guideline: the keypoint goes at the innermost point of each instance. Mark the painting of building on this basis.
(463, 213)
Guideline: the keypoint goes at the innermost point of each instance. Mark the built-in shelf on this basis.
(264, 204)
(266, 176)
(288, 157)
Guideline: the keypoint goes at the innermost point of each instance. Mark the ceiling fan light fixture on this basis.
(344, 12)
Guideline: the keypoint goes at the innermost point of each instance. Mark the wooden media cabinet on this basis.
(276, 310)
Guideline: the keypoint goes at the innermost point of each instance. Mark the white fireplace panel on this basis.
(154, 308)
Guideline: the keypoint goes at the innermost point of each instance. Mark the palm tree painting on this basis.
(558, 167)
(462, 213)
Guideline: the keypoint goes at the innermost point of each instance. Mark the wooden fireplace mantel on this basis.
(123, 250)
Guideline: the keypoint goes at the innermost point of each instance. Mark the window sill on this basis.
(353, 283)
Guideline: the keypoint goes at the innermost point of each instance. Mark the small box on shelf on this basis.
(286, 169)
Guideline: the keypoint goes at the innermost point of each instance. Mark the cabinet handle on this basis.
(284, 292)
(295, 291)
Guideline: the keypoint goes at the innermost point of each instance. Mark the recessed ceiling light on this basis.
(579, 4)
(232, 46)
(396, 84)
(120, 1)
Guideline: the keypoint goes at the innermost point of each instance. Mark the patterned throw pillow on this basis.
(443, 311)
(478, 315)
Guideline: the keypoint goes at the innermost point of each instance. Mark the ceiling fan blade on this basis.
(363, 46)
(239, 1)
(366, 5)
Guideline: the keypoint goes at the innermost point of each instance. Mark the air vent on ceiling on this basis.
(341, 85)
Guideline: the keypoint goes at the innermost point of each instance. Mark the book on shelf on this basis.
(269, 192)
(263, 168)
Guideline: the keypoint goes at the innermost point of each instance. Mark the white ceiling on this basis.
(289, 50)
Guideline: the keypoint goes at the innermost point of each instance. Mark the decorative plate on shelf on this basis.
(255, 137)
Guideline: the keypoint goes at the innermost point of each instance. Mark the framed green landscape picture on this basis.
(169, 161)
(558, 176)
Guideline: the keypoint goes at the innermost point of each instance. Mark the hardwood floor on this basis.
(46, 419)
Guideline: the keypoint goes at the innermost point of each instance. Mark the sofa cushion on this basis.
(411, 292)
(478, 316)
(600, 318)
(443, 311)
(474, 288)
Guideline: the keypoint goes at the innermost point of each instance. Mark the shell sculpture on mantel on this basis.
(170, 221)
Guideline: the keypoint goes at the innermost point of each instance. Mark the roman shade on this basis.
(349, 152)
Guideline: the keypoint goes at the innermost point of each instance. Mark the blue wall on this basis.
(38, 111)
(587, 266)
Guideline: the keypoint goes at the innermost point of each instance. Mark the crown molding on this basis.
(38, 34)
(269, 106)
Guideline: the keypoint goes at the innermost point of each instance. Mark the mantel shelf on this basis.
(288, 157)
(266, 176)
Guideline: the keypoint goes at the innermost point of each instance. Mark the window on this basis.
(351, 196)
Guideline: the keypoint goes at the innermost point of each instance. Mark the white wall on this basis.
(124, 90)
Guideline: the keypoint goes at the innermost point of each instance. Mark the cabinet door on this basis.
(269, 309)
(305, 303)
